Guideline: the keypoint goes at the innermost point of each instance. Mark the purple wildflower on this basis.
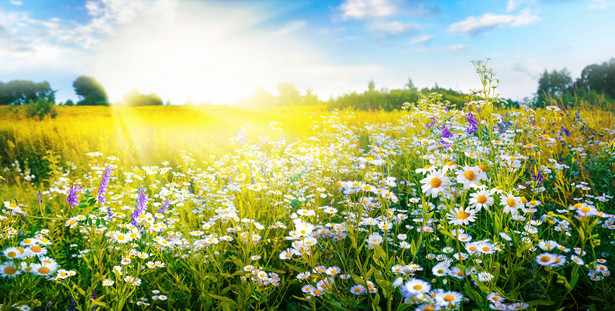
(164, 206)
(472, 124)
(538, 178)
(140, 208)
(532, 120)
(433, 122)
(73, 196)
(446, 133)
(565, 130)
(104, 182)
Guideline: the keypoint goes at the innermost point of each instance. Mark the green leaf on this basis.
(295, 203)
(230, 301)
(540, 303)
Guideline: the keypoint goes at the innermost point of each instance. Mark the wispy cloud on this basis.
(16, 2)
(600, 4)
(453, 48)
(524, 69)
(363, 9)
(391, 28)
(292, 26)
(474, 25)
(421, 39)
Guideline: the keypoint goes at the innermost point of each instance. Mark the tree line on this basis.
(595, 86)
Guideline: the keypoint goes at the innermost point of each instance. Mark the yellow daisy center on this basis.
(511, 202)
(481, 199)
(417, 287)
(482, 167)
(545, 258)
(449, 298)
(10, 270)
(36, 249)
(463, 215)
(44, 270)
(470, 175)
(435, 182)
(585, 209)
(11, 255)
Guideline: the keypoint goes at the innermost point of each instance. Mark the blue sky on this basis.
(220, 51)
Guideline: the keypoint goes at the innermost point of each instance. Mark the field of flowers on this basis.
(436, 209)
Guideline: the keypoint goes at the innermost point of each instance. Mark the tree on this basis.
(288, 95)
(371, 85)
(410, 85)
(310, 98)
(134, 98)
(91, 91)
(19, 92)
(554, 83)
(599, 78)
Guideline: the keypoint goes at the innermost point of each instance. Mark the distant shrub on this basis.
(37, 109)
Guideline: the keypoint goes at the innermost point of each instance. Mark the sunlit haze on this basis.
(221, 51)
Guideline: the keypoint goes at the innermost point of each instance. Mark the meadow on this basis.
(297, 208)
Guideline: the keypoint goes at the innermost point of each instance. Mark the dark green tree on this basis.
(91, 92)
(19, 92)
(134, 98)
(599, 78)
(554, 83)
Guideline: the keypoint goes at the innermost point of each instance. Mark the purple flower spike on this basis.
(446, 133)
(104, 182)
(73, 196)
(433, 122)
(164, 206)
(140, 208)
(472, 124)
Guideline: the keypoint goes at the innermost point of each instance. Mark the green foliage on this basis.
(19, 92)
(594, 88)
(134, 98)
(393, 99)
(37, 109)
(40, 109)
(91, 92)
(554, 83)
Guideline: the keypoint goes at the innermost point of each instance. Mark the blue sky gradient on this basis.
(220, 51)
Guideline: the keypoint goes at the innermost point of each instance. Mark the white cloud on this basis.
(600, 4)
(475, 25)
(362, 9)
(453, 48)
(16, 2)
(292, 26)
(513, 4)
(421, 39)
(391, 28)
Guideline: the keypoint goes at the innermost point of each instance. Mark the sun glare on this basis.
(196, 54)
